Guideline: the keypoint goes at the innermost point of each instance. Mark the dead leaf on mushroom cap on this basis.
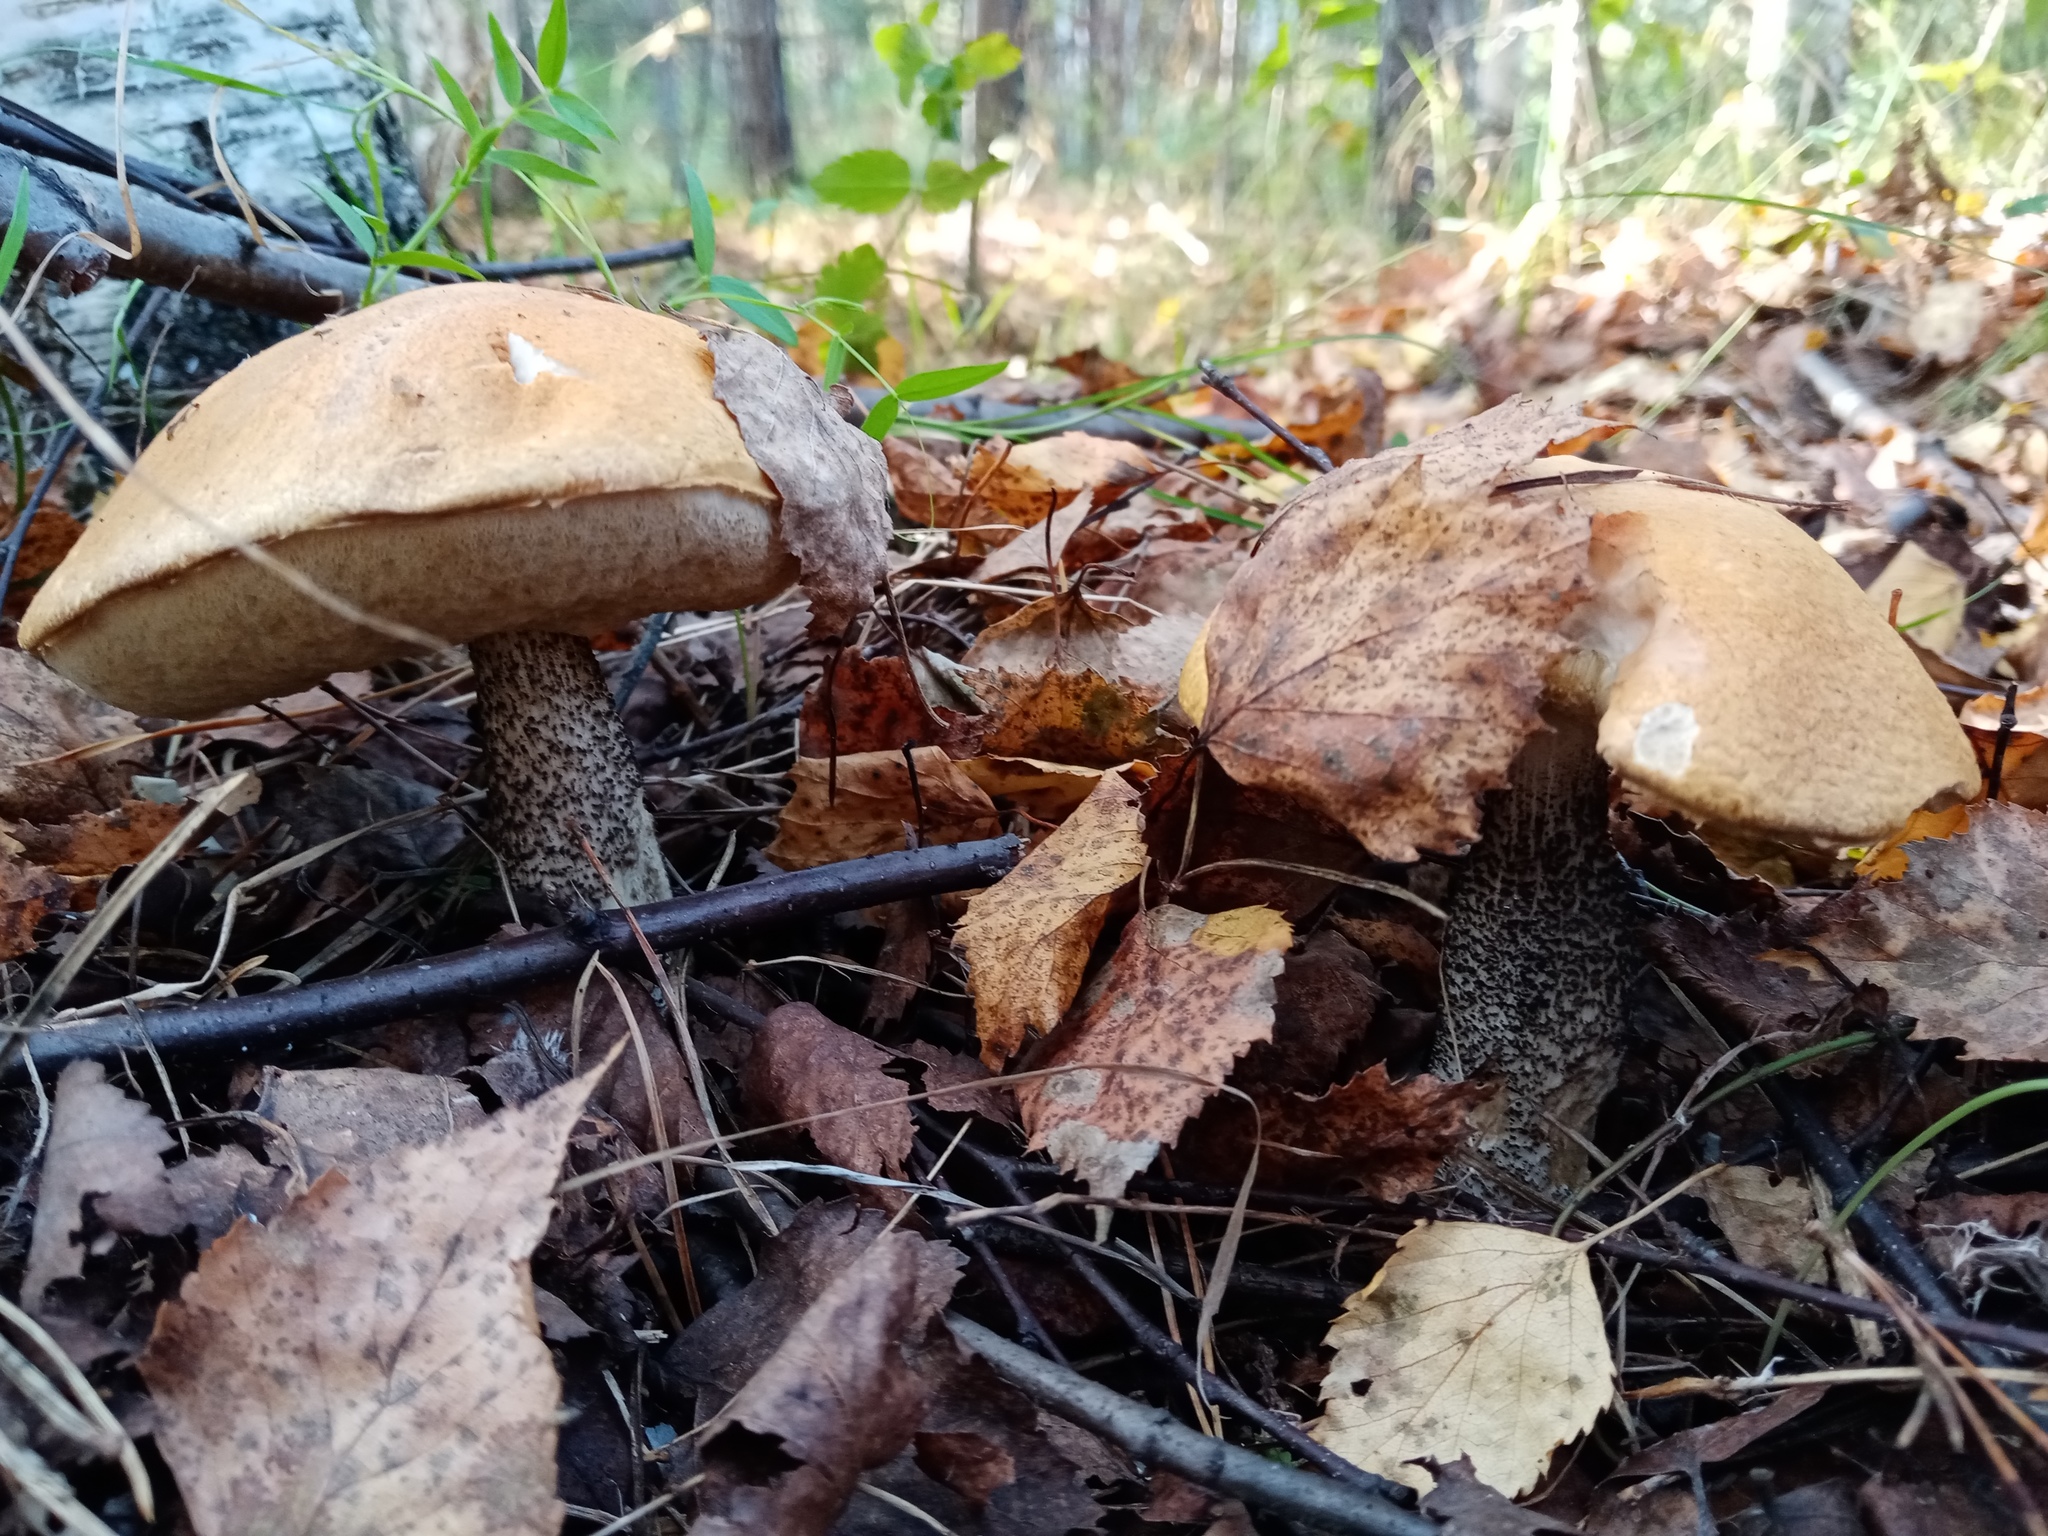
(1186, 992)
(1960, 941)
(804, 1065)
(1028, 936)
(1382, 657)
(1478, 1341)
(870, 804)
(832, 478)
(371, 1359)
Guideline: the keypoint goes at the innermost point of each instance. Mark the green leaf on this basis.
(929, 14)
(754, 306)
(17, 229)
(882, 417)
(1335, 13)
(853, 276)
(866, 181)
(902, 47)
(941, 382)
(527, 163)
(2038, 203)
(989, 57)
(703, 231)
(434, 260)
(835, 362)
(2037, 17)
(458, 99)
(575, 109)
(351, 217)
(551, 53)
(550, 126)
(947, 186)
(505, 61)
(208, 77)
(1275, 63)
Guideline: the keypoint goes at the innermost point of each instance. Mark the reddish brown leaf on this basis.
(875, 707)
(804, 1065)
(1385, 1138)
(1072, 717)
(1961, 940)
(100, 842)
(1382, 657)
(1184, 992)
(28, 894)
(1721, 1440)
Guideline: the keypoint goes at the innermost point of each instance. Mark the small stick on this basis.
(1223, 385)
(1892, 616)
(2008, 721)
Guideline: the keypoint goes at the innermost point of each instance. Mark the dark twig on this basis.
(468, 976)
(636, 664)
(561, 266)
(2008, 721)
(1155, 1437)
(1223, 384)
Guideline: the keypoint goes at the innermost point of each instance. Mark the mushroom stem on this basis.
(558, 761)
(1537, 955)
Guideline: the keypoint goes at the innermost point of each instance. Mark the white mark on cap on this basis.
(529, 362)
(1664, 739)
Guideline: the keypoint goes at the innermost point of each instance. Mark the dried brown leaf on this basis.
(1478, 1341)
(1079, 717)
(832, 478)
(1067, 631)
(343, 1117)
(1468, 1507)
(875, 706)
(959, 1083)
(1387, 1139)
(42, 716)
(28, 894)
(371, 1360)
(1382, 657)
(1764, 1218)
(803, 1064)
(1027, 937)
(838, 1397)
(1721, 1440)
(100, 842)
(1961, 940)
(1048, 792)
(875, 801)
(1185, 992)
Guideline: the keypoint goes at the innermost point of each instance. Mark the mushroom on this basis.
(511, 468)
(1726, 670)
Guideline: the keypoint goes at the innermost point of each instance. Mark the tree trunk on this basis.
(999, 104)
(757, 104)
(1412, 31)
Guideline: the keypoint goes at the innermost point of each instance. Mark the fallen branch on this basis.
(470, 976)
(1155, 1437)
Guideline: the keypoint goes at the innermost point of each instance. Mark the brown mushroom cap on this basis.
(463, 460)
(1754, 688)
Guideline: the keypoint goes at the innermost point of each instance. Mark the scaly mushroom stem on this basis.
(558, 759)
(1537, 955)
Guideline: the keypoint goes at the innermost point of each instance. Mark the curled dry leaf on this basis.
(1382, 657)
(1068, 631)
(1048, 792)
(803, 1064)
(876, 799)
(1385, 1138)
(371, 1361)
(1960, 941)
(1722, 1440)
(1027, 937)
(832, 478)
(837, 1398)
(1478, 1341)
(43, 717)
(1184, 992)
(874, 706)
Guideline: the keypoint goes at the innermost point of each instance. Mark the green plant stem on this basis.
(1892, 1164)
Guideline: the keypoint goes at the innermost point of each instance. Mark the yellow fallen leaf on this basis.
(1027, 937)
(873, 799)
(1478, 1341)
